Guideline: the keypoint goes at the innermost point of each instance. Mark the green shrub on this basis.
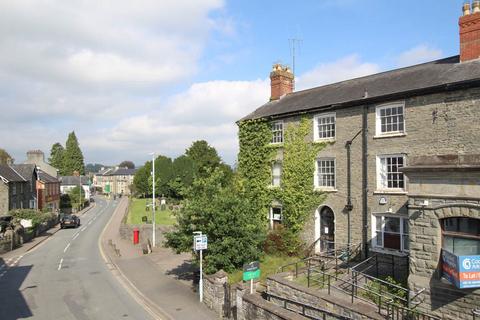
(381, 288)
(36, 216)
(282, 241)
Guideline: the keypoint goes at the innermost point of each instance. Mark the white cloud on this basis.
(419, 54)
(345, 68)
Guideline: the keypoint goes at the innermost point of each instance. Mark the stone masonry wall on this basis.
(3, 198)
(255, 307)
(441, 298)
(215, 292)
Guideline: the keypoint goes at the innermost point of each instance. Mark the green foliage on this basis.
(77, 200)
(282, 241)
(163, 175)
(224, 215)
(73, 157)
(296, 194)
(204, 156)
(93, 167)
(379, 289)
(127, 164)
(65, 201)
(56, 157)
(5, 158)
(36, 216)
(141, 179)
(183, 174)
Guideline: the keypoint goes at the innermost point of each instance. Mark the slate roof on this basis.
(25, 170)
(122, 172)
(45, 177)
(7, 173)
(73, 180)
(103, 172)
(435, 76)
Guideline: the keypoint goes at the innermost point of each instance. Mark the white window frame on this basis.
(402, 233)
(278, 164)
(273, 141)
(315, 126)
(382, 185)
(378, 122)
(271, 217)
(316, 178)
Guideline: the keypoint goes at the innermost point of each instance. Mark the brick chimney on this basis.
(281, 81)
(470, 31)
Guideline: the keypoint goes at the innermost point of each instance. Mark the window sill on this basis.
(275, 144)
(327, 190)
(274, 187)
(391, 192)
(325, 140)
(389, 135)
(392, 252)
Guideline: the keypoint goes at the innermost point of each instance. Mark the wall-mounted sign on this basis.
(462, 271)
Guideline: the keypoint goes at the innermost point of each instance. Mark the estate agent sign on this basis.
(462, 271)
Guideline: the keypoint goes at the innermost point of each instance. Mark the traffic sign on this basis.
(200, 242)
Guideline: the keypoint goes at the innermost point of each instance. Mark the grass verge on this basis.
(268, 266)
(138, 210)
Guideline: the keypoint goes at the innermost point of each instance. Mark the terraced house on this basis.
(401, 169)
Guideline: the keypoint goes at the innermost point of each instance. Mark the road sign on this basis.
(251, 271)
(107, 188)
(200, 242)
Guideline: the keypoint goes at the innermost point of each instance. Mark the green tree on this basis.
(163, 175)
(141, 179)
(57, 153)
(73, 157)
(127, 164)
(183, 173)
(5, 158)
(77, 200)
(223, 214)
(204, 156)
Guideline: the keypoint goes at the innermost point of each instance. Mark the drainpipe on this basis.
(349, 206)
(364, 180)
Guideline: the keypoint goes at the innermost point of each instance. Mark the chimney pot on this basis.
(281, 81)
(466, 8)
(476, 6)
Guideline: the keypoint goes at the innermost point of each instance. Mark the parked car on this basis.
(69, 220)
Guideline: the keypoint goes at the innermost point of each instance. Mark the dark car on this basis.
(69, 220)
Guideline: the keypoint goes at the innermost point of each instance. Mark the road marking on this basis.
(60, 264)
(66, 248)
(90, 222)
(76, 236)
(83, 229)
(3, 273)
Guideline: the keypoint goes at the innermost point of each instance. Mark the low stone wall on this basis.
(216, 291)
(255, 307)
(126, 232)
(279, 286)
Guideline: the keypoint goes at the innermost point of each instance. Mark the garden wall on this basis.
(145, 230)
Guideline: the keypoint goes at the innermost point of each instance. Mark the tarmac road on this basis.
(66, 278)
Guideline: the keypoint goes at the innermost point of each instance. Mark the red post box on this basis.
(136, 234)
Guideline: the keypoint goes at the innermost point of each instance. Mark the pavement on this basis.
(64, 276)
(161, 281)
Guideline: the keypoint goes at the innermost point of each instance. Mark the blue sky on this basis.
(132, 78)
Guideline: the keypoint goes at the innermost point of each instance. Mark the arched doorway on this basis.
(324, 229)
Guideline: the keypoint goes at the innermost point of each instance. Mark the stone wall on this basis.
(4, 198)
(255, 307)
(441, 298)
(126, 232)
(216, 292)
(279, 286)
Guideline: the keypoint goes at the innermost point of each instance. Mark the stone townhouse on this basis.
(68, 183)
(37, 157)
(115, 180)
(48, 192)
(28, 172)
(401, 168)
(14, 190)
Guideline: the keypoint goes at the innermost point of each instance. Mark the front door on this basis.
(327, 229)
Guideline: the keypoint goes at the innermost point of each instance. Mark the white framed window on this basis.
(389, 177)
(390, 232)
(277, 132)
(32, 204)
(275, 216)
(324, 126)
(276, 174)
(325, 173)
(390, 119)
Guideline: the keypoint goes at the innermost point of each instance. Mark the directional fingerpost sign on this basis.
(251, 271)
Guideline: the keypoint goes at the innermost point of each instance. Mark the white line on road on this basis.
(66, 248)
(90, 222)
(76, 236)
(83, 229)
(60, 264)
(3, 273)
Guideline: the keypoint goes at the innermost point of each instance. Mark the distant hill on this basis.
(93, 168)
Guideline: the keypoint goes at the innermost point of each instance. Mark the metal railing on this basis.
(304, 309)
(476, 314)
(396, 312)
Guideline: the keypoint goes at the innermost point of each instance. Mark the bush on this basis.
(36, 216)
(381, 288)
(282, 241)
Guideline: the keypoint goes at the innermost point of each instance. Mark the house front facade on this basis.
(13, 190)
(48, 192)
(116, 180)
(372, 128)
(68, 183)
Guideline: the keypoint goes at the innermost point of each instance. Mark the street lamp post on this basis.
(153, 199)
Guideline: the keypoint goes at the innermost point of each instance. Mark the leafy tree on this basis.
(77, 200)
(141, 179)
(127, 164)
(56, 157)
(5, 158)
(204, 156)
(94, 168)
(73, 157)
(224, 215)
(183, 173)
(163, 175)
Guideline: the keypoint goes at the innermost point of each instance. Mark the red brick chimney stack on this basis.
(281, 81)
(470, 31)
